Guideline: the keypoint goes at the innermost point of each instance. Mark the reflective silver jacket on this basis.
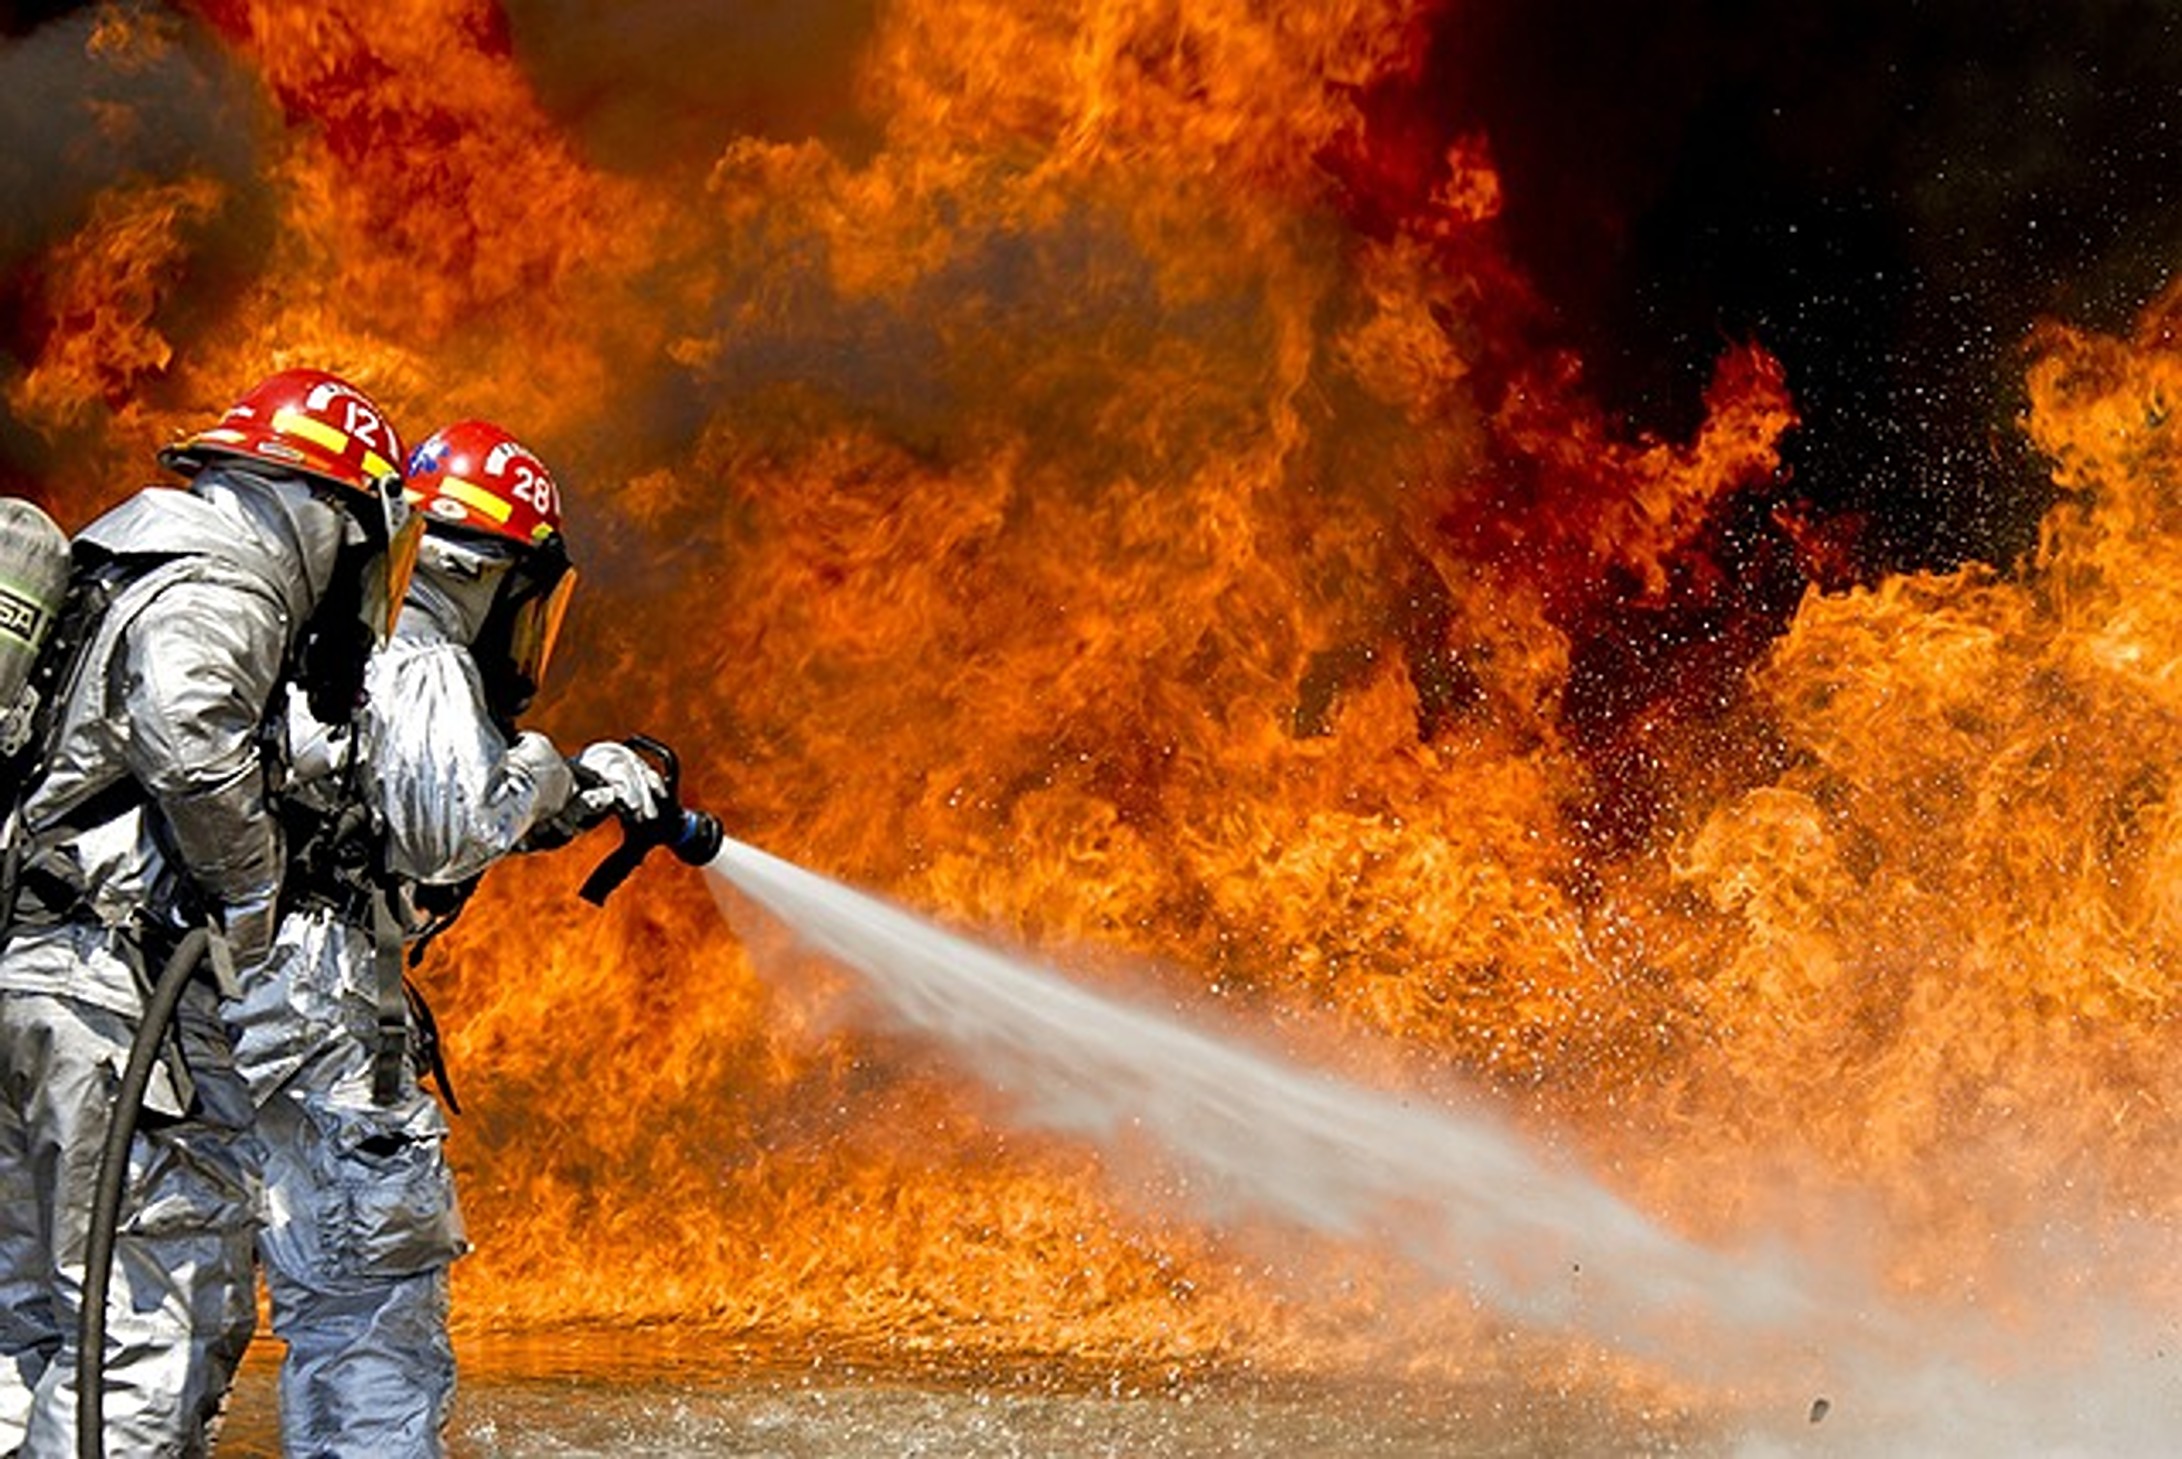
(446, 794)
(153, 809)
(455, 794)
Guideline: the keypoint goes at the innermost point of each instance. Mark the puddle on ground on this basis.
(628, 1397)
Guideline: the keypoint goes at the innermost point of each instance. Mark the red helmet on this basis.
(474, 474)
(473, 477)
(304, 420)
(320, 426)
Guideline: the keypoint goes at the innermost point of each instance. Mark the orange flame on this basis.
(1127, 509)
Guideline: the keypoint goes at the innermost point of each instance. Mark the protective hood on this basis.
(272, 527)
(504, 604)
(455, 586)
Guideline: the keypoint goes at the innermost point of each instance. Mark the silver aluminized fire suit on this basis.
(153, 803)
(362, 1220)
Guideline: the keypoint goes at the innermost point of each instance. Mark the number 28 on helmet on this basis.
(474, 481)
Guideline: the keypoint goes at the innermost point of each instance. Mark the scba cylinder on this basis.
(33, 581)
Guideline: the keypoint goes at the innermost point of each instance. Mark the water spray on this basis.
(1465, 1198)
(1468, 1201)
(1458, 1194)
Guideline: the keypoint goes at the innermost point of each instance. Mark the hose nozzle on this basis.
(697, 839)
(691, 835)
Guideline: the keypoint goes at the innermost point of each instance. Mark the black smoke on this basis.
(653, 84)
(1884, 193)
(79, 118)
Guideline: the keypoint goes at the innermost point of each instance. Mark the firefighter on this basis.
(394, 824)
(143, 816)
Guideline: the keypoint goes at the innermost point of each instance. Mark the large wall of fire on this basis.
(1104, 473)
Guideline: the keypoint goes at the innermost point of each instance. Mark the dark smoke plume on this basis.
(653, 83)
(1885, 195)
(98, 98)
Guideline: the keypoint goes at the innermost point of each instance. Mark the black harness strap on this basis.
(388, 1060)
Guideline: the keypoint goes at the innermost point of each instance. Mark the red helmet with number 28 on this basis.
(472, 477)
(475, 475)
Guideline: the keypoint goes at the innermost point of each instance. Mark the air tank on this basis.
(33, 580)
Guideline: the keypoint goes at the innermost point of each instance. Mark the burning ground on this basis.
(1656, 607)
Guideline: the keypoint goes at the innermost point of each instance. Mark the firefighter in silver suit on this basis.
(147, 815)
(393, 825)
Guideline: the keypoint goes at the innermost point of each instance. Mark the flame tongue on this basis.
(1119, 501)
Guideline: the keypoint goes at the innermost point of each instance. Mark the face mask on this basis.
(389, 584)
(338, 640)
(516, 644)
(536, 626)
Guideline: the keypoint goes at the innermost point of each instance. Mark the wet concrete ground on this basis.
(586, 1402)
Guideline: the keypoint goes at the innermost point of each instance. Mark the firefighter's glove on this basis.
(614, 780)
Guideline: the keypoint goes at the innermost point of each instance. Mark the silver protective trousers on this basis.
(182, 1302)
(361, 1220)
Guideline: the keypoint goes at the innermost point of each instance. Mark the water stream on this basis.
(1479, 1209)
(1458, 1192)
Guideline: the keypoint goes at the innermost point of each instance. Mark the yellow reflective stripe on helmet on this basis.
(317, 432)
(475, 497)
(288, 422)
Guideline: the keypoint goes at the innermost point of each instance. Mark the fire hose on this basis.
(691, 835)
(113, 1174)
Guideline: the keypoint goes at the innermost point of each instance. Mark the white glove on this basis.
(613, 779)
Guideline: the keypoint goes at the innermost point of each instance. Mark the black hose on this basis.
(113, 1174)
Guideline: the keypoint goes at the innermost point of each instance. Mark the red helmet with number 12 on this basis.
(302, 420)
(320, 427)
